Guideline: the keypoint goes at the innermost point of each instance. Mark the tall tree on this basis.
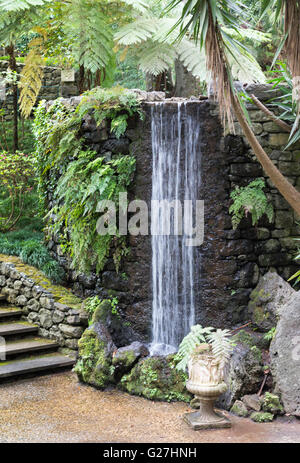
(207, 20)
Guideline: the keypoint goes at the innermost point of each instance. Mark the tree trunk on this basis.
(287, 190)
(13, 67)
(81, 79)
(186, 84)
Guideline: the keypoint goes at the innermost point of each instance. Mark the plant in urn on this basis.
(206, 353)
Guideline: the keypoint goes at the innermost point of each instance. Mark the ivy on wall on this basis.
(78, 178)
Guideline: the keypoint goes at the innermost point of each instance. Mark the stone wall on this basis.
(52, 87)
(57, 312)
(231, 260)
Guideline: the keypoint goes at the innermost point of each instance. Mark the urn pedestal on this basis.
(206, 382)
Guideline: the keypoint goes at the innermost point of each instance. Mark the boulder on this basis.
(267, 299)
(125, 357)
(95, 351)
(244, 376)
(285, 355)
(156, 378)
(252, 402)
(239, 409)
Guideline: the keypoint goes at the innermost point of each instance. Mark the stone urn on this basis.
(206, 381)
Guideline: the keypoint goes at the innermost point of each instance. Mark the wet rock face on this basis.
(229, 262)
(267, 299)
(285, 355)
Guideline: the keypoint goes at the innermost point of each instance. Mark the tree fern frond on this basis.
(193, 58)
(244, 66)
(94, 46)
(156, 57)
(137, 31)
(18, 5)
(31, 77)
(139, 5)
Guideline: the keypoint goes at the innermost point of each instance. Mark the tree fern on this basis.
(17, 5)
(156, 58)
(93, 47)
(140, 30)
(31, 77)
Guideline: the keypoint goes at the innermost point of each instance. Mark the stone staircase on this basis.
(26, 352)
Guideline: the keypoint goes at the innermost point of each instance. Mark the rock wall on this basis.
(231, 260)
(54, 309)
(52, 87)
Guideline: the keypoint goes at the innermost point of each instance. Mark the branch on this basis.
(283, 125)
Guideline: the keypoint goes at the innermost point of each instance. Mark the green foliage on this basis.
(17, 5)
(157, 378)
(25, 136)
(79, 178)
(286, 103)
(93, 303)
(115, 104)
(28, 245)
(93, 47)
(270, 334)
(16, 174)
(250, 199)
(219, 341)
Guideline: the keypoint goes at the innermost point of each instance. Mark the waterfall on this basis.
(175, 176)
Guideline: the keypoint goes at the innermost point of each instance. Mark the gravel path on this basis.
(56, 408)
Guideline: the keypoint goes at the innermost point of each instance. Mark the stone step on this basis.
(34, 364)
(8, 311)
(16, 328)
(26, 345)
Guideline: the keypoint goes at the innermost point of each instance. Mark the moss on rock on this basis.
(156, 378)
(261, 417)
(239, 409)
(271, 403)
(94, 365)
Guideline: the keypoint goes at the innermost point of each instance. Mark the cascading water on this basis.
(175, 176)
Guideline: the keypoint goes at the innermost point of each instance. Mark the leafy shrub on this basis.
(79, 178)
(250, 199)
(29, 247)
(16, 175)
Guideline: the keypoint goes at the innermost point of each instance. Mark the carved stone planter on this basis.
(206, 381)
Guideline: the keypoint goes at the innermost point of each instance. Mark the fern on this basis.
(19, 5)
(31, 77)
(93, 47)
(221, 345)
(250, 199)
(141, 30)
(156, 57)
(219, 340)
(195, 337)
